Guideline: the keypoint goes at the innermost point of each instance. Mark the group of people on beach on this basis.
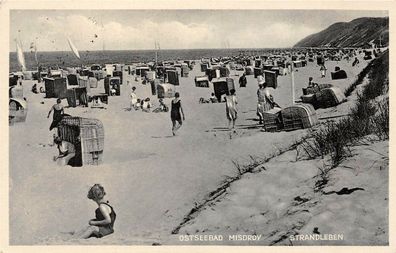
(145, 104)
(105, 215)
(265, 102)
(177, 114)
(139, 104)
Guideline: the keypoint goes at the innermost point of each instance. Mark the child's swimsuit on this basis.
(108, 228)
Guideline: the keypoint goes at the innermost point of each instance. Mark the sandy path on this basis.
(151, 179)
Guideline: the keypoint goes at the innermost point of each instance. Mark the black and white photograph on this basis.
(198, 127)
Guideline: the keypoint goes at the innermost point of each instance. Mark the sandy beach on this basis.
(151, 178)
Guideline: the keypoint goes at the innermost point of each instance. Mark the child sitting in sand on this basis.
(146, 105)
(213, 98)
(113, 91)
(105, 216)
(97, 103)
(138, 104)
(162, 106)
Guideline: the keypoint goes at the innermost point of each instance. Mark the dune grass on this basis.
(368, 116)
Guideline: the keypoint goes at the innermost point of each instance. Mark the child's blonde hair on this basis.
(96, 192)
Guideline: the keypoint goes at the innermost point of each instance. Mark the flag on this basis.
(73, 48)
(21, 58)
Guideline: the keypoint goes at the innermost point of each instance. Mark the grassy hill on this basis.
(357, 33)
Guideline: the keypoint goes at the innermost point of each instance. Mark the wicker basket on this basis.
(271, 79)
(329, 97)
(309, 98)
(55, 88)
(83, 82)
(77, 96)
(173, 77)
(72, 80)
(267, 66)
(201, 81)
(258, 72)
(277, 70)
(118, 74)
(204, 67)
(87, 135)
(13, 80)
(299, 116)
(249, 70)
(222, 86)
(17, 110)
(313, 90)
(340, 74)
(93, 82)
(112, 82)
(271, 120)
(297, 64)
(16, 91)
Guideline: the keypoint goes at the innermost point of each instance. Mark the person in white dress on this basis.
(231, 109)
(134, 98)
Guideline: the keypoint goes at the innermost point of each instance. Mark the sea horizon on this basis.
(67, 59)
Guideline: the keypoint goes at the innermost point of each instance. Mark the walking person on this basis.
(355, 62)
(231, 109)
(323, 70)
(57, 115)
(177, 114)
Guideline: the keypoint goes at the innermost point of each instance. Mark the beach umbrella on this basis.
(21, 58)
(73, 48)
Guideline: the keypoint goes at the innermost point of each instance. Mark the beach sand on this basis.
(151, 178)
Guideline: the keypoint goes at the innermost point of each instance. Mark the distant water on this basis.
(63, 58)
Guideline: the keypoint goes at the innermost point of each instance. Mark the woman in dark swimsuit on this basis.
(58, 113)
(103, 224)
(176, 113)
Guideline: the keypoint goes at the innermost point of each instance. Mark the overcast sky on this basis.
(173, 29)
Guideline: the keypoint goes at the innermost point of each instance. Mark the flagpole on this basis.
(156, 53)
(292, 82)
(35, 53)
